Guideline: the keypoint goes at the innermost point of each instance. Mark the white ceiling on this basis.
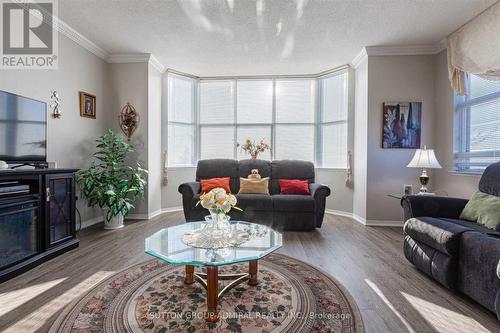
(250, 37)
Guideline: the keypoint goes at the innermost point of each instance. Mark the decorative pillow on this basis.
(483, 209)
(294, 186)
(254, 186)
(209, 184)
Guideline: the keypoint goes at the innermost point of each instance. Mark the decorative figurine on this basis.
(56, 113)
(254, 174)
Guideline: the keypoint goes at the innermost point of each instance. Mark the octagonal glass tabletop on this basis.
(167, 245)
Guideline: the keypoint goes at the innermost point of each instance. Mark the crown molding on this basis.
(153, 61)
(128, 58)
(63, 28)
(359, 58)
(405, 50)
(131, 58)
(428, 49)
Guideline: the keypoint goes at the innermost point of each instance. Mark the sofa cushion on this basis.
(209, 184)
(254, 186)
(441, 234)
(293, 202)
(254, 202)
(484, 209)
(490, 180)
(290, 169)
(294, 186)
(217, 168)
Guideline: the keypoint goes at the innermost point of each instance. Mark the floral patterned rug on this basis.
(291, 296)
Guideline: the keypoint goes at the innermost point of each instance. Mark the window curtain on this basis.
(474, 48)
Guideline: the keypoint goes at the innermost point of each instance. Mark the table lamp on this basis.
(425, 159)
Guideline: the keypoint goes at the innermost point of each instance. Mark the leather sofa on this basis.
(459, 254)
(281, 212)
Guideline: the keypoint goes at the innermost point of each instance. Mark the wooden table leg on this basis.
(212, 293)
(252, 270)
(189, 278)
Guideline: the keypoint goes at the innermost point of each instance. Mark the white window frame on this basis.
(317, 123)
(461, 136)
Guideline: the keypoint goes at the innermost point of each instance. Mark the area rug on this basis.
(291, 296)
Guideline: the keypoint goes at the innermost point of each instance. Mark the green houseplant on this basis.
(109, 182)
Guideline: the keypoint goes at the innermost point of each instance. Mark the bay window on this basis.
(300, 118)
(181, 121)
(477, 125)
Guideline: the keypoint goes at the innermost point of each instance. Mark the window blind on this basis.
(254, 101)
(333, 130)
(477, 125)
(301, 118)
(181, 129)
(216, 102)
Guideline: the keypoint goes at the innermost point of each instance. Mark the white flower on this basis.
(207, 200)
(226, 207)
(231, 199)
(219, 193)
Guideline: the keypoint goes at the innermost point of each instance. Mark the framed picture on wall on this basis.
(87, 105)
(402, 123)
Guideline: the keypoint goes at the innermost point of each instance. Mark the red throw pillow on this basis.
(209, 184)
(294, 186)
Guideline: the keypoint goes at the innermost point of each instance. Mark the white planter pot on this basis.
(115, 223)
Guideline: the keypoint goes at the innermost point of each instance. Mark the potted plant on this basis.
(109, 182)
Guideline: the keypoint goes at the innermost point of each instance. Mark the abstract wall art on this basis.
(402, 123)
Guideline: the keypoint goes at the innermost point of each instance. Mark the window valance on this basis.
(475, 49)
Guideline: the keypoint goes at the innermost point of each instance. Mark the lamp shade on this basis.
(424, 158)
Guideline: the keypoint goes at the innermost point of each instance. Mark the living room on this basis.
(250, 166)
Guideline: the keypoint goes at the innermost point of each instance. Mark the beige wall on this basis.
(395, 78)
(70, 139)
(447, 182)
(129, 83)
(359, 163)
(154, 140)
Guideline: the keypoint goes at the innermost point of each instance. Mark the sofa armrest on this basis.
(432, 206)
(190, 189)
(319, 190)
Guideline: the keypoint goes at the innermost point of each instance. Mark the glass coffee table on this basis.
(167, 245)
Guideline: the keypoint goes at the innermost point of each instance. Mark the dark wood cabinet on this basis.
(59, 207)
(38, 222)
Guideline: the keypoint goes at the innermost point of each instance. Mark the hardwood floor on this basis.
(391, 294)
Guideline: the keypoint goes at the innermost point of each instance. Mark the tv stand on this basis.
(39, 223)
(41, 165)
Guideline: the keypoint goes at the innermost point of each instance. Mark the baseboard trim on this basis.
(359, 219)
(384, 223)
(172, 209)
(363, 221)
(146, 216)
(87, 223)
(338, 212)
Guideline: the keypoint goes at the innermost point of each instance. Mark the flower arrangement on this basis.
(217, 201)
(254, 149)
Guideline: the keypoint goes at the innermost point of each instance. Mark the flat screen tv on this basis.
(23, 129)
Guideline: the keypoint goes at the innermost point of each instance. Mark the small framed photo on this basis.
(408, 189)
(87, 105)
